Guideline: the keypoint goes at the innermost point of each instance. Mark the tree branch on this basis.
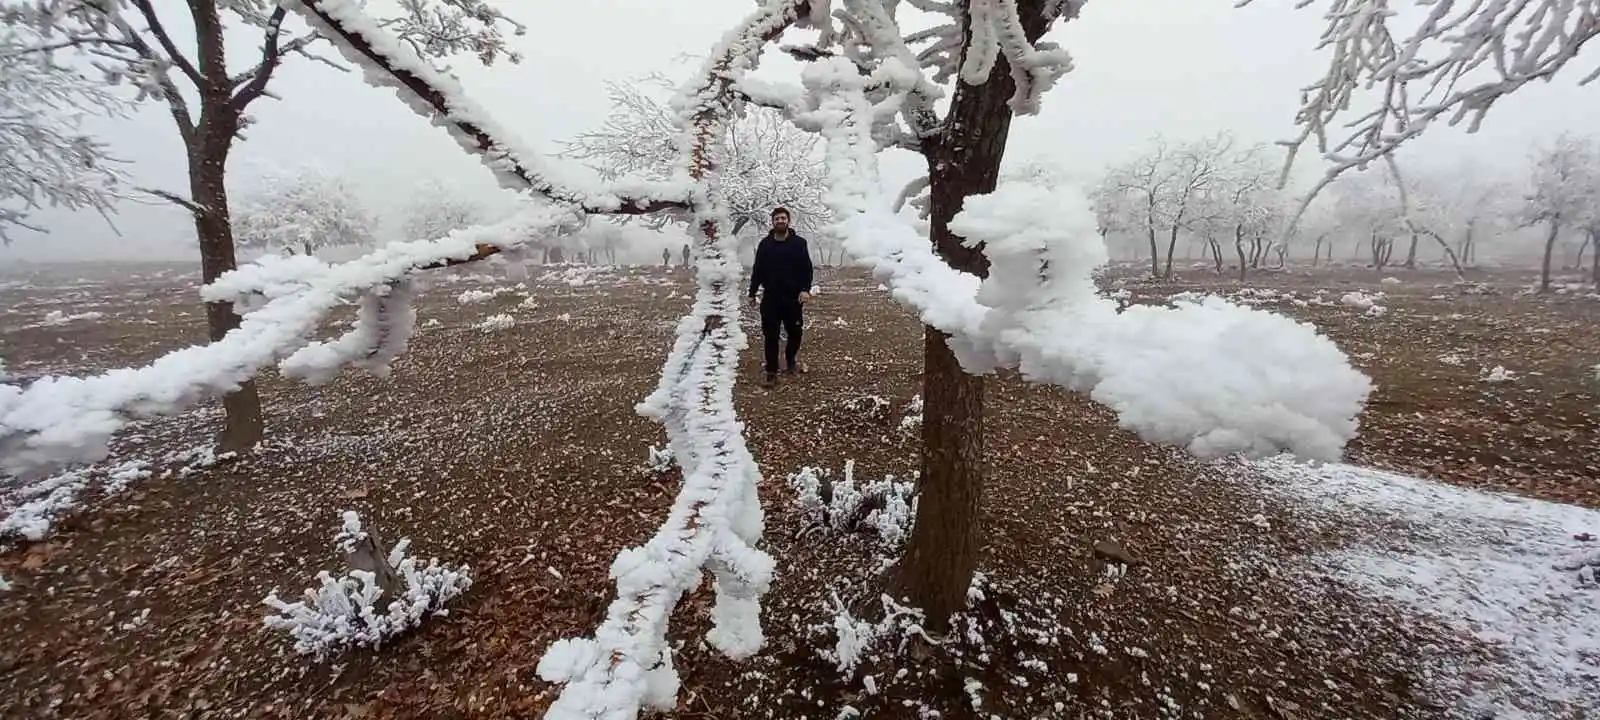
(174, 55)
(433, 95)
(271, 57)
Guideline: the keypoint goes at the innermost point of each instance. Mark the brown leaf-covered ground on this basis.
(519, 453)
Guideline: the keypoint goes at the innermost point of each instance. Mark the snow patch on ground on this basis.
(496, 323)
(1515, 574)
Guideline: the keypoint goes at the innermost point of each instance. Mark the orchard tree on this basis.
(208, 94)
(300, 212)
(1169, 191)
(49, 160)
(436, 208)
(766, 161)
(1564, 193)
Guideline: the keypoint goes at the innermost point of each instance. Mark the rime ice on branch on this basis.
(59, 420)
(1270, 383)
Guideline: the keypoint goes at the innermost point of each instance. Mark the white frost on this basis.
(1506, 571)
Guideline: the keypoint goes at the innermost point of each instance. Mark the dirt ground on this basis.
(519, 452)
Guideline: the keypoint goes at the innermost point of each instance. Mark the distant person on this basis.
(782, 270)
(686, 254)
(666, 257)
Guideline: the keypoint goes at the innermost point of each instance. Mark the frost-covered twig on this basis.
(390, 62)
(1458, 60)
(58, 420)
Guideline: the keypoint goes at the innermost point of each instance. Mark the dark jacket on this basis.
(783, 267)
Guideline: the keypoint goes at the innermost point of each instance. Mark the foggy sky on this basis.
(1179, 68)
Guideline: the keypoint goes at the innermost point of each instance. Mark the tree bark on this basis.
(1172, 246)
(1411, 253)
(1549, 250)
(1150, 229)
(963, 160)
(1238, 248)
(208, 150)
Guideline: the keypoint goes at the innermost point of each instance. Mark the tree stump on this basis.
(366, 553)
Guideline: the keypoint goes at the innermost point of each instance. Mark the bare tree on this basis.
(300, 211)
(49, 160)
(208, 98)
(1562, 192)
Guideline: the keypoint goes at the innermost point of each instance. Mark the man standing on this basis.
(783, 269)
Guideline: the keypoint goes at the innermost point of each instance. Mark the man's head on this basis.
(780, 220)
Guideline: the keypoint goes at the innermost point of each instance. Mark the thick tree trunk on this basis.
(1578, 264)
(208, 149)
(1549, 250)
(963, 160)
(1411, 254)
(1316, 251)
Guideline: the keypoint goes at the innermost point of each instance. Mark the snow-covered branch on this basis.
(1459, 58)
(391, 62)
(1273, 384)
(716, 519)
(58, 420)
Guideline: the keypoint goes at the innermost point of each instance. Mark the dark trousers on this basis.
(784, 314)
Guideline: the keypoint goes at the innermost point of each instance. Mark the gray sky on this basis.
(1179, 68)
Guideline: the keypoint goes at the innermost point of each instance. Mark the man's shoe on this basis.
(796, 368)
(769, 380)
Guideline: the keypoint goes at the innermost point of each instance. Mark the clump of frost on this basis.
(659, 460)
(856, 638)
(1360, 300)
(1391, 280)
(4, 376)
(346, 611)
(884, 507)
(912, 420)
(56, 318)
(1499, 374)
(474, 297)
(496, 323)
(1453, 359)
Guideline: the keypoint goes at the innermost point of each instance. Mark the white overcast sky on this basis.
(1179, 68)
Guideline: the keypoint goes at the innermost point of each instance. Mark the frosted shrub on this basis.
(345, 611)
(884, 507)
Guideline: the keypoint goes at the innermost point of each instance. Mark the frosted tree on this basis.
(301, 211)
(765, 161)
(1368, 207)
(1562, 193)
(208, 94)
(1244, 206)
(49, 160)
(435, 209)
(1168, 191)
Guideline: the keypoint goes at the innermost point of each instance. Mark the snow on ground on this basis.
(1514, 574)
